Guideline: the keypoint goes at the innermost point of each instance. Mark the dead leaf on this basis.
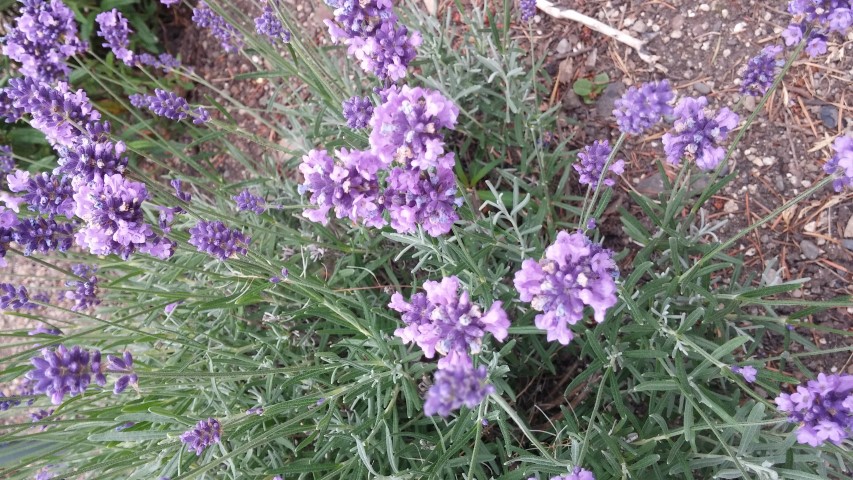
(566, 71)
(431, 6)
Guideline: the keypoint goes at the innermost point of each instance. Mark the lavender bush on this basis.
(380, 293)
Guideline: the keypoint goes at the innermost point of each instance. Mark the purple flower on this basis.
(115, 31)
(527, 10)
(247, 202)
(163, 61)
(123, 365)
(407, 126)
(167, 104)
(823, 408)
(349, 186)
(169, 3)
(41, 415)
(44, 36)
(42, 235)
(42, 330)
(63, 372)
(259, 410)
(573, 274)
(45, 473)
(271, 27)
(171, 307)
(748, 372)
(591, 164)
(426, 198)
(111, 206)
(179, 191)
(374, 36)
(7, 163)
(124, 426)
(455, 386)
(93, 154)
(761, 71)
(8, 222)
(387, 52)
(357, 111)
(206, 433)
(841, 164)
(217, 240)
(47, 194)
(7, 404)
(55, 111)
(578, 473)
(84, 292)
(228, 36)
(644, 106)
(697, 133)
(824, 17)
(441, 320)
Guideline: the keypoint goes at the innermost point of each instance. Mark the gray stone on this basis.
(702, 88)
(651, 186)
(829, 116)
(749, 103)
(809, 249)
(848, 244)
(604, 105)
(848, 229)
(563, 46)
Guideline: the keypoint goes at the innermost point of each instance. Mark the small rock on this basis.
(604, 105)
(765, 238)
(798, 293)
(639, 27)
(676, 34)
(848, 230)
(809, 249)
(730, 206)
(810, 227)
(848, 244)
(739, 27)
(749, 103)
(702, 88)
(563, 46)
(829, 116)
(651, 186)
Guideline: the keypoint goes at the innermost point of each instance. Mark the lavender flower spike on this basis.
(407, 126)
(357, 112)
(115, 31)
(85, 291)
(248, 202)
(167, 104)
(229, 37)
(455, 386)
(271, 27)
(698, 133)
(748, 372)
(578, 473)
(43, 38)
(123, 365)
(823, 408)
(441, 320)
(206, 433)
(15, 298)
(644, 106)
(66, 371)
(217, 240)
(592, 160)
(761, 71)
(573, 274)
(841, 164)
(527, 9)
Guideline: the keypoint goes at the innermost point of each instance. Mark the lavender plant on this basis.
(384, 295)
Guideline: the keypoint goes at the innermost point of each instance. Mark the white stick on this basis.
(599, 27)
